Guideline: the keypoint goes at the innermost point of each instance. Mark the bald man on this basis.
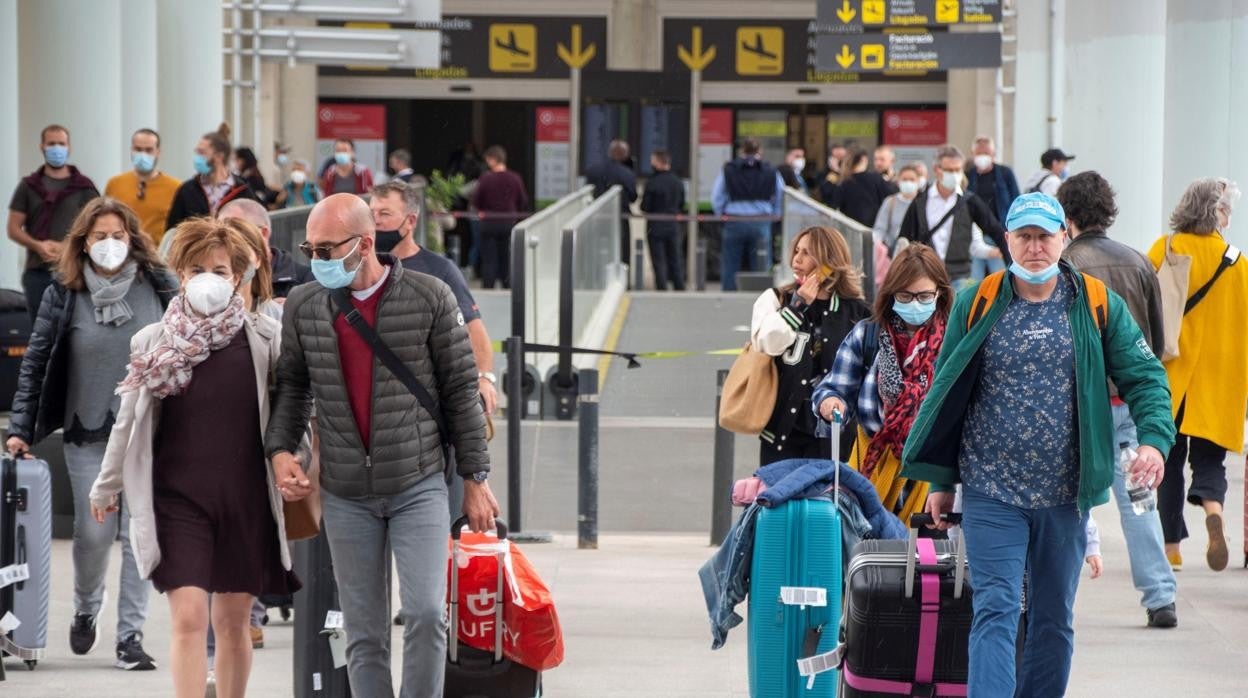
(616, 170)
(381, 451)
(287, 273)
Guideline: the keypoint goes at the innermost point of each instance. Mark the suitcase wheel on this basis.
(30, 664)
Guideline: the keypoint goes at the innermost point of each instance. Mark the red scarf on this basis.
(917, 370)
(41, 227)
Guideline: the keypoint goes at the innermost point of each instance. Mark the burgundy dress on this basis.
(209, 486)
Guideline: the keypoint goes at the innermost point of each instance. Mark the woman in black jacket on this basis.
(108, 287)
(862, 190)
(213, 186)
(248, 168)
(801, 324)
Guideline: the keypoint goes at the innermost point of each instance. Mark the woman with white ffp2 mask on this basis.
(198, 478)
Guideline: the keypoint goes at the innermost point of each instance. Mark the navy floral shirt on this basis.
(1020, 442)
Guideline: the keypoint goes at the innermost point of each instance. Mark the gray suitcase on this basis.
(25, 556)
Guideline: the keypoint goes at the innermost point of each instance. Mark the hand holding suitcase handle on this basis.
(452, 630)
(958, 565)
(17, 447)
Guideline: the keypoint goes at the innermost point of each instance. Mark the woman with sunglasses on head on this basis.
(109, 285)
(187, 449)
(801, 324)
(884, 368)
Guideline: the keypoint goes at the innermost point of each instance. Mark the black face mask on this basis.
(387, 240)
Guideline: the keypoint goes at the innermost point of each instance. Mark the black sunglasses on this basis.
(324, 252)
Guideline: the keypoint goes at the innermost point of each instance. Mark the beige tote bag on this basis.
(1173, 276)
(749, 395)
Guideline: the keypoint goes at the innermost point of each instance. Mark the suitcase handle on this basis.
(457, 528)
(958, 565)
(452, 630)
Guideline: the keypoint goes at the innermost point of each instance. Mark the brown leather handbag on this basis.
(749, 395)
(303, 518)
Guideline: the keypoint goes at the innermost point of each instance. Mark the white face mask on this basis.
(922, 183)
(799, 164)
(950, 180)
(109, 254)
(298, 177)
(983, 162)
(908, 187)
(207, 293)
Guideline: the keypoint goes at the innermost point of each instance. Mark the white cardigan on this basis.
(128, 459)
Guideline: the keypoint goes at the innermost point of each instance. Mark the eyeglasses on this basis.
(922, 296)
(324, 252)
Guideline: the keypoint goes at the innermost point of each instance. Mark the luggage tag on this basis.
(9, 623)
(804, 596)
(337, 638)
(14, 574)
(810, 668)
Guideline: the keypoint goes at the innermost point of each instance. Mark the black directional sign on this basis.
(854, 15)
(907, 50)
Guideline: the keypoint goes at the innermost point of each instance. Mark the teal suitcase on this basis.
(795, 599)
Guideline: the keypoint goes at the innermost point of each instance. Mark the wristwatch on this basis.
(481, 476)
(493, 379)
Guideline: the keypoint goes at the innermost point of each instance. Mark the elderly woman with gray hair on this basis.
(1209, 375)
(301, 188)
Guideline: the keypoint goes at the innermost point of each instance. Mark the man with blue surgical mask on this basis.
(1019, 414)
(145, 189)
(345, 175)
(43, 209)
(383, 481)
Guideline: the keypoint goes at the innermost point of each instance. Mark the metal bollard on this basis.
(514, 346)
(639, 265)
(699, 266)
(721, 479)
(587, 463)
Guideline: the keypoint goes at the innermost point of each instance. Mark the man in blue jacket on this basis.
(750, 187)
(996, 184)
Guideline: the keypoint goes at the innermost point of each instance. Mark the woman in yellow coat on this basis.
(1209, 377)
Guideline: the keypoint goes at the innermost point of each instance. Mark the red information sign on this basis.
(914, 127)
(715, 127)
(354, 121)
(552, 124)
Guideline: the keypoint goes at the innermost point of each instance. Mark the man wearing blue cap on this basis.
(1019, 414)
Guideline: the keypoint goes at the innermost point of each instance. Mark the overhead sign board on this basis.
(910, 49)
(388, 47)
(372, 10)
(508, 46)
(854, 15)
(757, 50)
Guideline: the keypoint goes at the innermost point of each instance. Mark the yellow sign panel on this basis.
(513, 48)
(872, 11)
(947, 11)
(761, 129)
(760, 50)
(856, 128)
(872, 56)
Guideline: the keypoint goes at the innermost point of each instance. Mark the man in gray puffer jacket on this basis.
(381, 455)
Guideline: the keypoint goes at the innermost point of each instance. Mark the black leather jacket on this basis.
(1126, 272)
(39, 404)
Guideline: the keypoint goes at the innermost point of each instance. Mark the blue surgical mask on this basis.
(201, 164)
(143, 162)
(56, 155)
(915, 312)
(283, 159)
(332, 273)
(342, 158)
(1034, 277)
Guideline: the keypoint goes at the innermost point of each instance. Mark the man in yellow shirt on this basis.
(145, 189)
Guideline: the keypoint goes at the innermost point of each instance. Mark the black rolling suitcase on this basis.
(315, 674)
(25, 558)
(907, 621)
(474, 673)
(14, 336)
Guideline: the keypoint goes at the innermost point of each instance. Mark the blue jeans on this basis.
(1001, 542)
(983, 267)
(743, 242)
(1150, 570)
(414, 524)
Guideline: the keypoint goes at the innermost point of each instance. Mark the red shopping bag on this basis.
(531, 633)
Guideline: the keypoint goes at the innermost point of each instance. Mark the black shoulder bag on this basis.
(396, 366)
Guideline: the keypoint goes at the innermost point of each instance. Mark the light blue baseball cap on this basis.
(1038, 209)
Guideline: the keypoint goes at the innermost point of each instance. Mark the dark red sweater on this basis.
(357, 362)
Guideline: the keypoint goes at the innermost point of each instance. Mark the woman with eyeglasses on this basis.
(109, 285)
(884, 369)
(187, 450)
(801, 324)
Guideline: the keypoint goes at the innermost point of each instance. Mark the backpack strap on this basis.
(870, 342)
(1098, 301)
(1229, 257)
(985, 296)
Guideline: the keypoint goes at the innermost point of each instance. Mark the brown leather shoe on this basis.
(1216, 555)
(257, 637)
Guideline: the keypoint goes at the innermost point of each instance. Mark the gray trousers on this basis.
(93, 542)
(414, 524)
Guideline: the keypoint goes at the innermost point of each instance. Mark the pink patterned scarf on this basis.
(185, 341)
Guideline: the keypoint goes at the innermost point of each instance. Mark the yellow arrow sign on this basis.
(845, 58)
(576, 57)
(846, 13)
(696, 59)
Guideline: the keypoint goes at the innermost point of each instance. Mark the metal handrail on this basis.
(567, 274)
(518, 248)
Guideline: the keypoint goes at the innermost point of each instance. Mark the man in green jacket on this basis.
(1019, 414)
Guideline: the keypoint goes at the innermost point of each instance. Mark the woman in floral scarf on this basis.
(884, 368)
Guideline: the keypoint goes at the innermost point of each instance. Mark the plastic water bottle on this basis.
(1142, 498)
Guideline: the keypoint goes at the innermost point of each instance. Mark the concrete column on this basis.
(1237, 136)
(69, 56)
(970, 106)
(12, 256)
(1114, 118)
(138, 49)
(634, 36)
(1031, 101)
(297, 98)
(189, 77)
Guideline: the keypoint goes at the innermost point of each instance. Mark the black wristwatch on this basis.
(480, 477)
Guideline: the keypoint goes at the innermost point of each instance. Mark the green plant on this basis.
(441, 191)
